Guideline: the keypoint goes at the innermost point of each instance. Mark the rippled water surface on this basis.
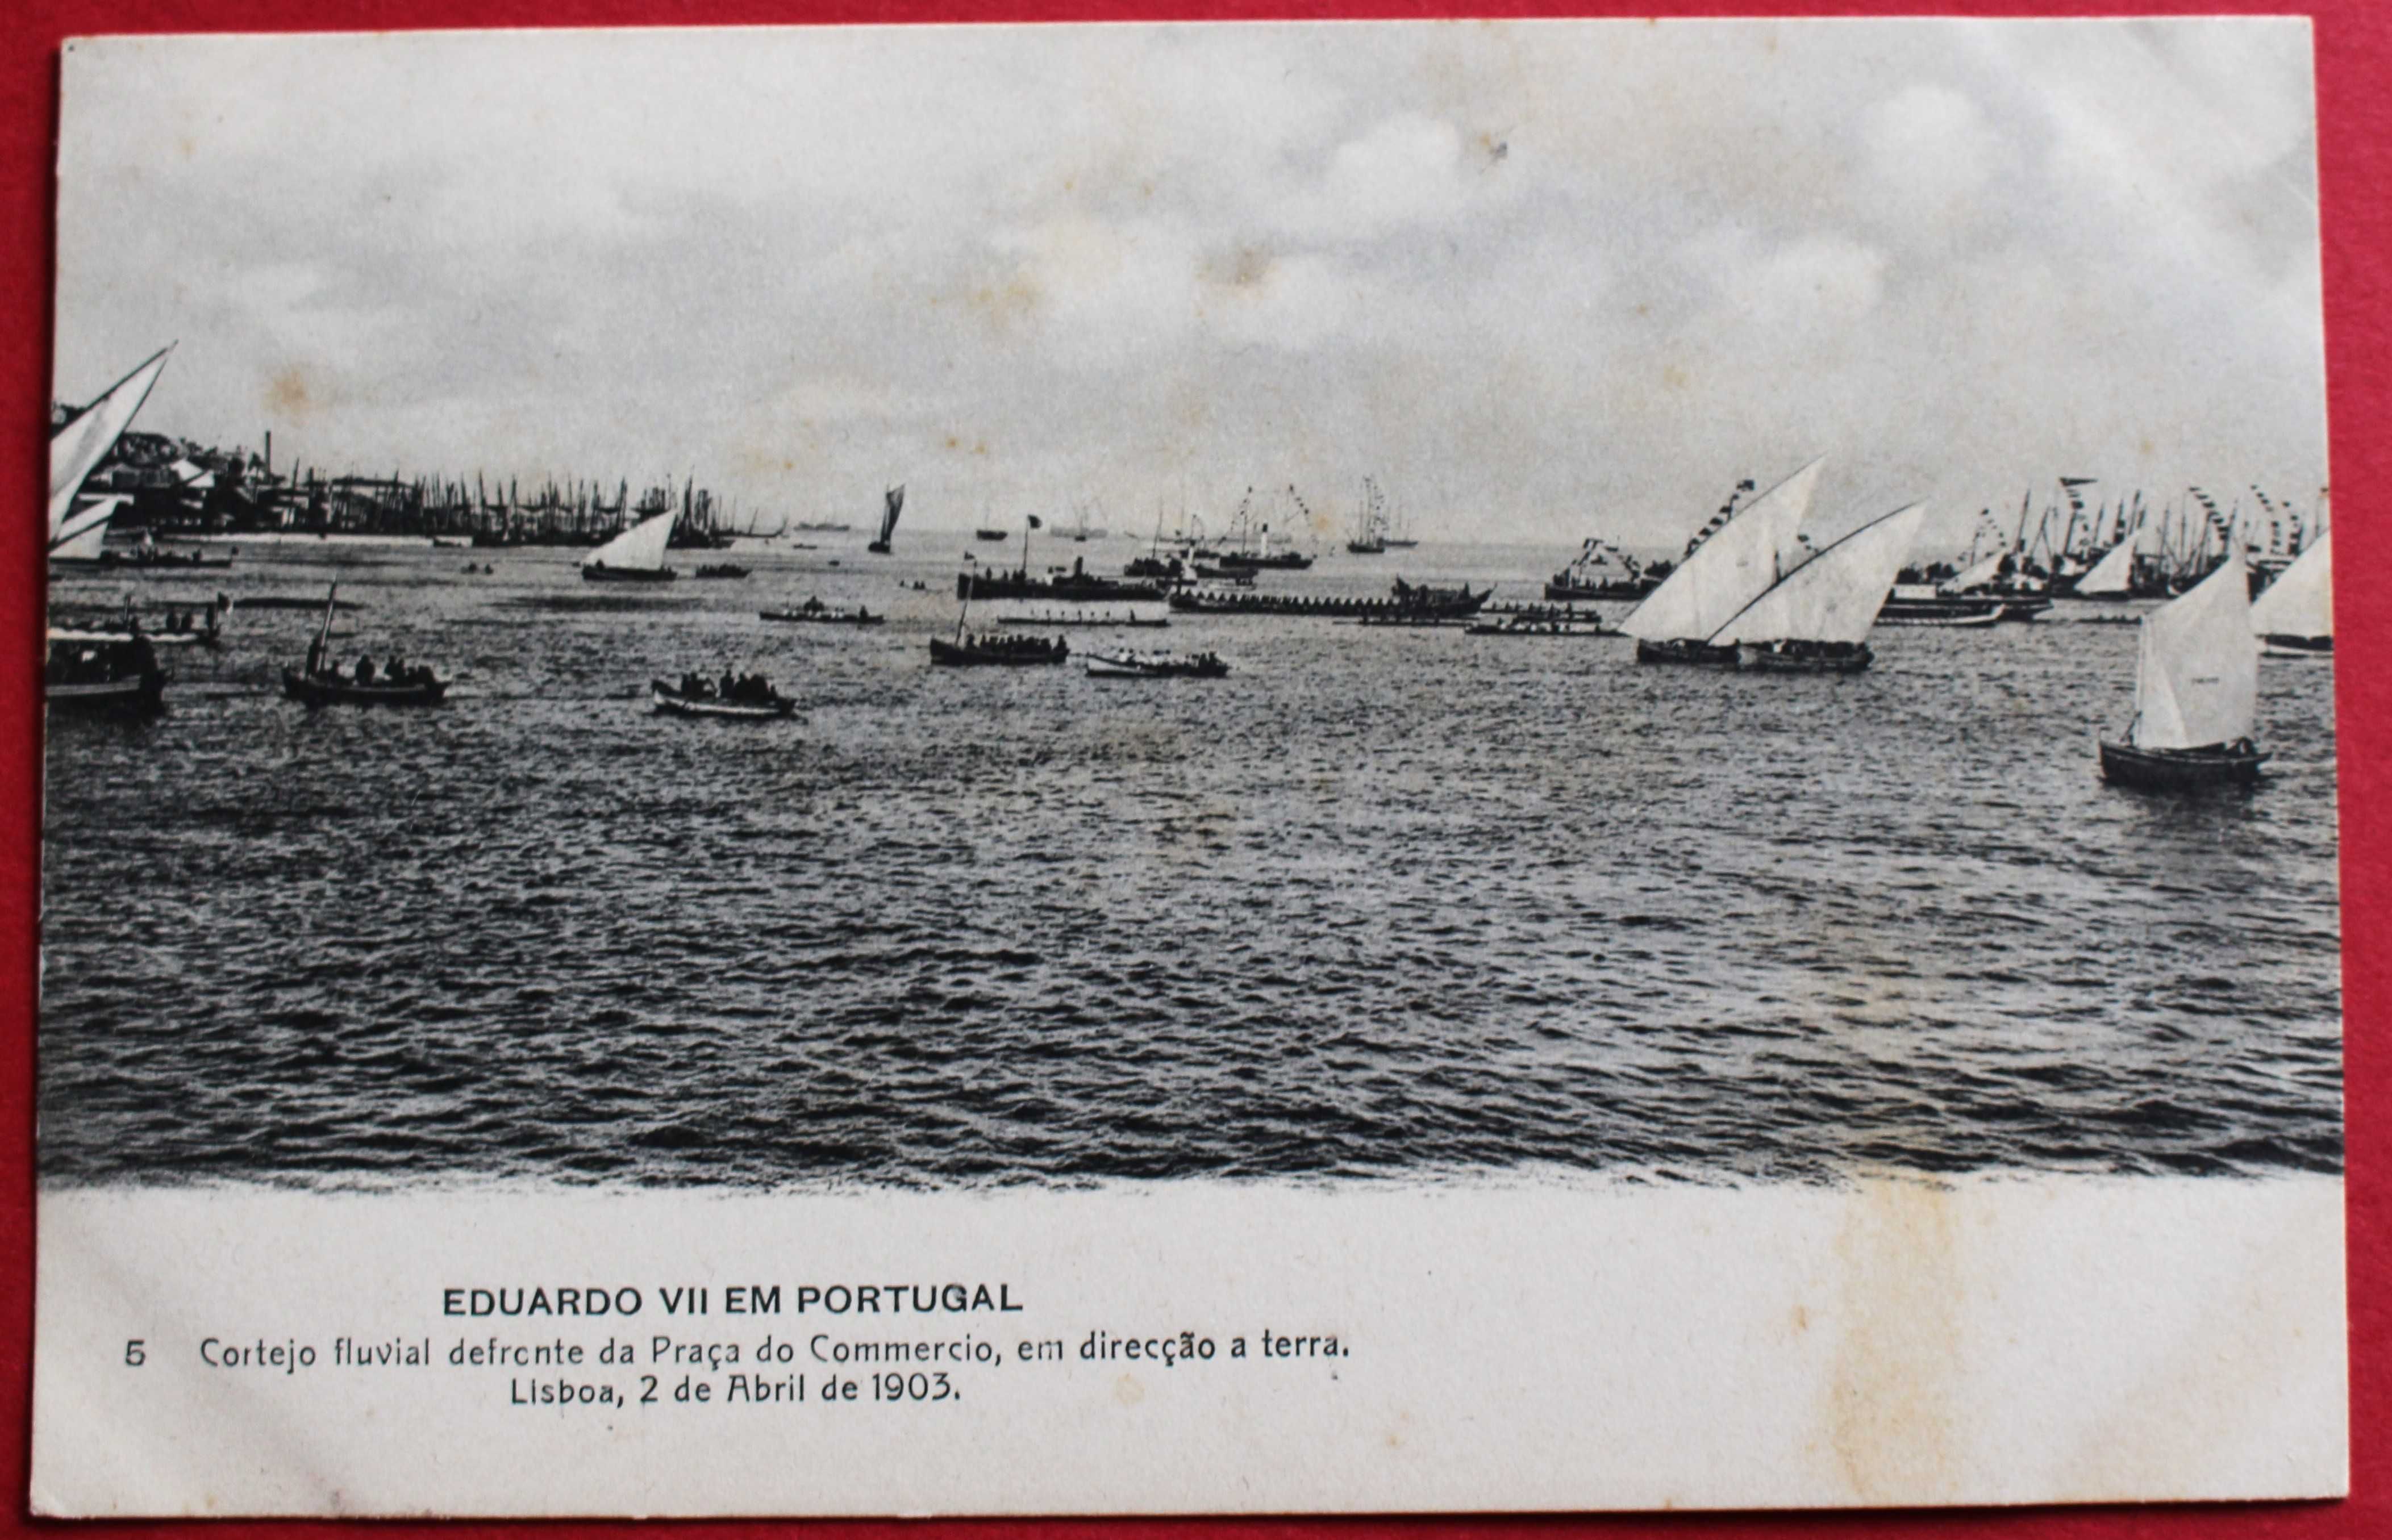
(1381, 903)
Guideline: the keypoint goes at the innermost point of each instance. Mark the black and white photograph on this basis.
(1601, 739)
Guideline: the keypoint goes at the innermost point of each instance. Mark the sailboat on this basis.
(894, 500)
(2294, 617)
(2196, 691)
(320, 683)
(1721, 576)
(2113, 576)
(1815, 619)
(86, 543)
(637, 555)
(77, 449)
(1369, 523)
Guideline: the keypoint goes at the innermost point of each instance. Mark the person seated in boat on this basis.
(365, 671)
(812, 605)
(728, 684)
(395, 671)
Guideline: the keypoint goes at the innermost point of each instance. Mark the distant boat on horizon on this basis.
(637, 555)
(894, 503)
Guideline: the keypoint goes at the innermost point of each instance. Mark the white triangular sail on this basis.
(84, 537)
(2197, 680)
(77, 449)
(640, 548)
(1729, 569)
(2300, 602)
(2115, 571)
(1835, 595)
(1977, 576)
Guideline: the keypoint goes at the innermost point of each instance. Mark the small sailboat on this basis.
(893, 501)
(1727, 569)
(2196, 691)
(2294, 617)
(637, 555)
(1815, 618)
(319, 682)
(2113, 576)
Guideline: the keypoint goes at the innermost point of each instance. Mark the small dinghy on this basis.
(676, 701)
(1156, 666)
(2196, 693)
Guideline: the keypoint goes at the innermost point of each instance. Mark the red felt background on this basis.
(2354, 58)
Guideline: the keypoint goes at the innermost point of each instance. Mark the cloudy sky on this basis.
(1544, 280)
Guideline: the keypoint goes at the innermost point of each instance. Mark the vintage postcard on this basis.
(1164, 768)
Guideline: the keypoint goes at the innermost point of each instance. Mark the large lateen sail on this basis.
(77, 449)
(1834, 596)
(2300, 602)
(894, 499)
(1726, 571)
(638, 549)
(2114, 570)
(2197, 680)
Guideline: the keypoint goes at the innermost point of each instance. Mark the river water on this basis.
(1383, 903)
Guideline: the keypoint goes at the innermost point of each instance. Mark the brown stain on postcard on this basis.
(1891, 1391)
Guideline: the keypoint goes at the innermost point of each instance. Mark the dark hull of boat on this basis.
(720, 574)
(1770, 660)
(1544, 629)
(1365, 547)
(124, 560)
(1279, 561)
(1068, 591)
(1099, 622)
(1438, 606)
(993, 537)
(1696, 653)
(2299, 646)
(135, 695)
(877, 548)
(820, 617)
(1559, 591)
(595, 574)
(2179, 769)
(947, 654)
(672, 703)
(1942, 612)
(325, 690)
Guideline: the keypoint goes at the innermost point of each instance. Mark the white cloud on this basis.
(1564, 267)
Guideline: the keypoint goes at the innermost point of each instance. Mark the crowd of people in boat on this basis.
(393, 673)
(1012, 645)
(747, 688)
